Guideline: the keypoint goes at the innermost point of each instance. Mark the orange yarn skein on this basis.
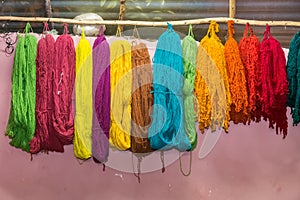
(236, 78)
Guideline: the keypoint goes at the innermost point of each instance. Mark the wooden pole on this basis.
(232, 8)
(48, 8)
(149, 23)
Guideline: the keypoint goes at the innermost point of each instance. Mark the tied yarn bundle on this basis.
(43, 137)
(211, 83)
(293, 77)
(120, 87)
(63, 82)
(101, 97)
(189, 55)
(274, 83)
(83, 91)
(250, 50)
(142, 98)
(167, 129)
(236, 79)
(21, 123)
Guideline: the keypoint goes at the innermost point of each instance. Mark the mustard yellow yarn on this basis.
(211, 83)
(121, 84)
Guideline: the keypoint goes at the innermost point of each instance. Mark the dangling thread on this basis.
(190, 165)
(138, 167)
(162, 159)
(84, 110)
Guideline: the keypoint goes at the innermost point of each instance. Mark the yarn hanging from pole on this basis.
(250, 50)
(83, 91)
(189, 55)
(236, 79)
(101, 97)
(120, 88)
(293, 76)
(274, 83)
(62, 90)
(167, 128)
(21, 123)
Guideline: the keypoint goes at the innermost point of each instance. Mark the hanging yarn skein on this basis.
(142, 98)
(293, 77)
(21, 123)
(210, 85)
(63, 82)
(236, 79)
(167, 129)
(121, 85)
(44, 65)
(274, 83)
(101, 97)
(189, 55)
(83, 92)
(249, 50)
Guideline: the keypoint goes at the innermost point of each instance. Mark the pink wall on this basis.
(251, 162)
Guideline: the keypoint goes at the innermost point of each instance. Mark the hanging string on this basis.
(44, 66)
(101, 98)
(167, 130)
(236, 79)
(142, 98)
(249, 47)
(293, 76)
(162, 159)
(190, 165)
(9, 49)
(211, 83)
(274, 83)
(189, 55)
(21, 123)
(83, 91)
(138, 167)
(121, 84)
(64, 78)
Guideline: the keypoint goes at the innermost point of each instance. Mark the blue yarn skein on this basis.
(167, 129)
